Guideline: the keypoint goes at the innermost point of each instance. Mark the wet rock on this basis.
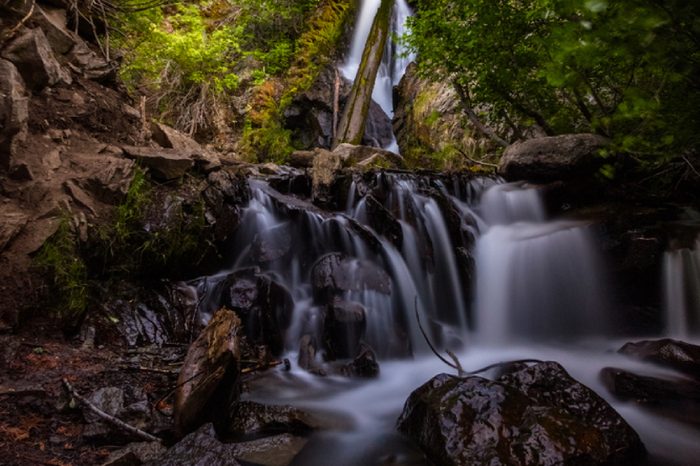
(307, 353)
(156, 316)
(255, 419)
(335, 273)
(364, 365)
(675, 354)
(529, 416)
(200, 448)
(302, 158)
(135, 454)
(299, 184)
(165, 164)
(671, 397)
(278, 450)
(343, 329)
(264, 306)
(552, 158)
(209, 377)
(225, 195)
(325, 168)
(31, 53)
(171, 138)
(272, 244)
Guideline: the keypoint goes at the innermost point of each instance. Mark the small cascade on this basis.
(681, 274)
(535, 279)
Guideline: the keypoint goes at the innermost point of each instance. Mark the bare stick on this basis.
(12, 31)
(460, 371)
(430, 344)
(690, 165)
(108, 417)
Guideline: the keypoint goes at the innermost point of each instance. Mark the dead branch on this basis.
(261, 367)
(692, 167)
(109, 418)
(478, 162)
(457, 367)
(14, 30)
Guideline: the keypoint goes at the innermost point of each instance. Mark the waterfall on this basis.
(394, 60)
(681, 280)
(535, 279)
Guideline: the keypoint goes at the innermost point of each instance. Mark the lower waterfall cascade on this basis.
(415, 245)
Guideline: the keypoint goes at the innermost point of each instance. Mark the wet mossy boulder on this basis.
(529, 416)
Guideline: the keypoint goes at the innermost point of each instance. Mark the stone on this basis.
(325, 168)
(264, 306)
(164, 164)
(678, 355)
(91, 65)
(53, 23)
(111, 401)
(529, 416)
(170, 138)
(382, 221)
(209, 377)
(675, 398)
(364, 365)
(302, 158)
(334, 273)
(352, 155)
(343, 329)
(428, 119)
(12, 222)
(135, 454)
(200, 448)
(277, 450)
(307, 353)
(251, 419)
(31, 53)
(110, 183)
(552, 158)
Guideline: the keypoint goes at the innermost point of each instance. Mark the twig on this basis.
(26, 17)
(260, 367)
(486, 164)
(109, 418)
(460, 371)
(692, 167)
(427, 340)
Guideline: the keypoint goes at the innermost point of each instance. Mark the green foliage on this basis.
(152, 234)
(628, 69)
(265, 137)
(60, 258)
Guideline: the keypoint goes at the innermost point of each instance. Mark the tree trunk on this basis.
(352, 123)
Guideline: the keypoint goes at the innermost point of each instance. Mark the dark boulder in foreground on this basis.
(552, 158)
(536, 415)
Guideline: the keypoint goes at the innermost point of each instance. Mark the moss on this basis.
(60, 259)
(264, 135)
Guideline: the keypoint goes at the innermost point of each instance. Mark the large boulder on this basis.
(536, 415)
(200, 448)
(553, 158)
(343, 329)
(31, 53)
(170, 138)
(209, 377)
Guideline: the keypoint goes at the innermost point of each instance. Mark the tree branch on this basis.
(474, 119)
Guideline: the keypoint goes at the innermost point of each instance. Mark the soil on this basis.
(38, 423)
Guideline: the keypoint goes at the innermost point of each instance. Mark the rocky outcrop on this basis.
(334, 273)
(553, 158)
(529, 416)
(208, 381)
(430, 127)
(164, 164)
(310, 115)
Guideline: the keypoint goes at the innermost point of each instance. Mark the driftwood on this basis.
(108, 417)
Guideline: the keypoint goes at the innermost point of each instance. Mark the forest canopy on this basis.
(627, 69)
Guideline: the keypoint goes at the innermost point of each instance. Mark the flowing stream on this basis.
(539, 293)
